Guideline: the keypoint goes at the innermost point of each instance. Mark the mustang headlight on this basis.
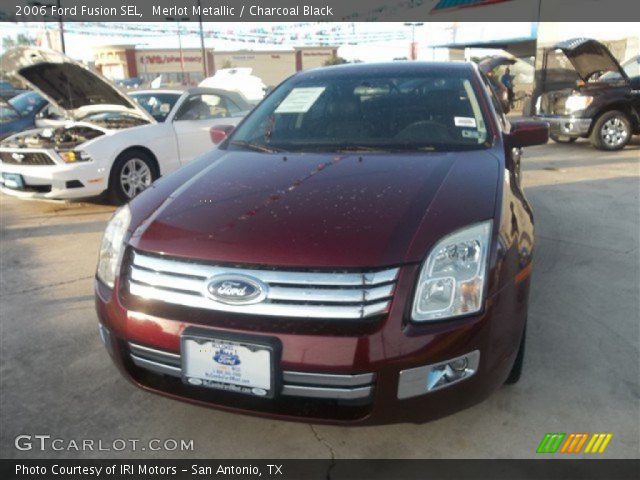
(575, 103)
(112, 246)
(74, 156)
(451, 281)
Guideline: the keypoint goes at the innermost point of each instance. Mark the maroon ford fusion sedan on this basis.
(357, 250)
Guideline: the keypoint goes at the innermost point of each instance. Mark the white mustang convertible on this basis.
(111, 142)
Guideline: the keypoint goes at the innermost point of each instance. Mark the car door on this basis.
(195, 117)
(632, 69)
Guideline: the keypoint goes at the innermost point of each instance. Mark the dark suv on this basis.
(583, 91)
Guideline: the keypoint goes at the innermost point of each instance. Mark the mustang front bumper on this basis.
(78, 180)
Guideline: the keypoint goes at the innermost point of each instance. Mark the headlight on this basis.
(73, 156)
(451, 281)
(576, 103)
(112, 246)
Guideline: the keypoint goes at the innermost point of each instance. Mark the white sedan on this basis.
(120, 145)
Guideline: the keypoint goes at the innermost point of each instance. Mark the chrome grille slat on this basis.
(325, 392)
(306, 378)
(331, 295)
(267, 276)
(269, 309)
(167, 281)
(157, 367)
(300, 384)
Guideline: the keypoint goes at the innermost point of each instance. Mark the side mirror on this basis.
(527, 133)
(220, 132)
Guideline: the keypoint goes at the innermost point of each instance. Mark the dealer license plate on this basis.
(230, 365)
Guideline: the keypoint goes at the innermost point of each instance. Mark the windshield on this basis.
(157, 104)
(368, 112)
(630, 67)
(7, 114)
(27, 102)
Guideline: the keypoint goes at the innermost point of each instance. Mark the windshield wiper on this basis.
(359, 148)
(255, 146)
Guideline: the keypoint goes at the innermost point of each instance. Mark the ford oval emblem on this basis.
(236, 289)
(226, 356)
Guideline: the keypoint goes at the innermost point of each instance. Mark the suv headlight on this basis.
(575, 103)
(112, 245)
(452, 278)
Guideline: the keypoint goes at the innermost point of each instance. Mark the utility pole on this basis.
(61, 28)
(60, 23)
(205, 67)
(178, 20)
(414, 49)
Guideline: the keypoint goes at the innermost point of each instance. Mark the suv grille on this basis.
(26, 158)
(302, 294)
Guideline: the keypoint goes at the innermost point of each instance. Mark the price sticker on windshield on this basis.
(464, 122)
(300, 100)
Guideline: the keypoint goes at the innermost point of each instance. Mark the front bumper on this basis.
(80, 180)
(567, 125)
(370, 360)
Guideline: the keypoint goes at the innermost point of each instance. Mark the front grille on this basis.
(26, 158)
(301, 294)
(295, 384)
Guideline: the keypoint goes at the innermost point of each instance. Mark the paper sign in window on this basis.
(464, 122)
(300, 100)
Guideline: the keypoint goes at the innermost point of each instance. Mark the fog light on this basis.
(420, 380)
(459, 364)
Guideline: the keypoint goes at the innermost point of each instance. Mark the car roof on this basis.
(387, 68)
(156, 90)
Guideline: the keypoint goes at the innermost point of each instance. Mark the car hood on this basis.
(589, 56)
(314, 210)
(64, 82)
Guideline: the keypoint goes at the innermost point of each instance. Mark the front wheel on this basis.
(132, 172)
(562, 138)
(611, 131)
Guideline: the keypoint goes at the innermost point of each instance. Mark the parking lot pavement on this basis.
(581, 366)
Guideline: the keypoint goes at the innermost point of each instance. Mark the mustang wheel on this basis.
(611, 131)
(132, 172)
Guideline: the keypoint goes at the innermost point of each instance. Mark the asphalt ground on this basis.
(581, 366)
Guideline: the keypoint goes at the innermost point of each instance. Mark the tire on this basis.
(611, 131)
(561, 139)
(132, 172)
(516, 370)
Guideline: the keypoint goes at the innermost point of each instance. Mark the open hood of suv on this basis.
(64, 82)
(589, 56)
(491, 63)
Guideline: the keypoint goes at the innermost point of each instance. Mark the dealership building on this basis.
(119, 62)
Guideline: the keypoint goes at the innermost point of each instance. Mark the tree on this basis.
(20, 39)
(227, 64)
(334, 60)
